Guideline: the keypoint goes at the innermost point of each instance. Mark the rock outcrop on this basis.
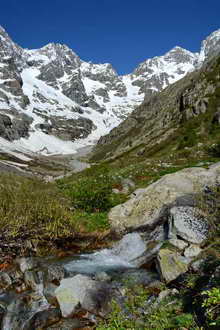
(147, 208)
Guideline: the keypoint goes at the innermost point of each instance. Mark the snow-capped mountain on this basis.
(51, 101)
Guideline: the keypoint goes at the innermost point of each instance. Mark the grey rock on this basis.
(16, 128)
(216, 118)
(148, 207)
(5, 281)
(192, 251)
(49, 293)
(167, 293)
(188, 223)
(43, 319)
(127, 185)
(26, 263)
(81, 291)
(171, 264)
(5, 124)
(197, 265)
(102, 276)
(33, 279)
(75, 89)
(22, 316)
(71, 129)
(54, 272)
(180, 244)
(3, 310)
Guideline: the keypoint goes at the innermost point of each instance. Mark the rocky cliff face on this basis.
(51, 101)
(182, 115)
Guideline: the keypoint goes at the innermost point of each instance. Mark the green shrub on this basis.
(97, 221)
(188, 140)
(214, 150)
(169, 314)
(91, 195)
(91, 191)
(212, 305)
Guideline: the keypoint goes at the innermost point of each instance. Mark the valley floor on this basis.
(69, 215)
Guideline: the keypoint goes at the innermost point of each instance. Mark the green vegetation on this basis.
(212, 305)
(33, 209)
(191, 307)
(91, 191)
(136, 312)
(214, 150)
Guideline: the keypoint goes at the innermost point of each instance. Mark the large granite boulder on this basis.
(81, 292)
(148, 207)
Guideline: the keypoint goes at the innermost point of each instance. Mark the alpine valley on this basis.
(52, 102)
(109, 191)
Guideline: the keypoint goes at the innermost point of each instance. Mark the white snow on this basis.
(167, 69)
(91, 85)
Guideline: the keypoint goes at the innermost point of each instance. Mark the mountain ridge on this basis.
(180, 120)
(54, 102)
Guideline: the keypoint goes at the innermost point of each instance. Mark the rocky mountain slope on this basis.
(184, 115)
(51, 101)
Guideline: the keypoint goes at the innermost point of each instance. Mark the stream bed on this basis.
(30, 300)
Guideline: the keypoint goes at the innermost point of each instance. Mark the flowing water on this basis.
(122, 256)
(119, 262)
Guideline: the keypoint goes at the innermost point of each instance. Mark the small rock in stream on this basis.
(5, 281)
(54, 273)
(49, 293)
(33, 279)
(69, 324)
(43, 319)
(27, 263)
(102, 276)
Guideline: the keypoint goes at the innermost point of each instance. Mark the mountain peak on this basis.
(210, 46)
(2, 29)
(214, 34)
(180, 50)
(71, 99)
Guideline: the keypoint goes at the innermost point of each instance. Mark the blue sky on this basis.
(122, 32)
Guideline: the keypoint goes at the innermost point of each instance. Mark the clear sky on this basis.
(122, 32)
